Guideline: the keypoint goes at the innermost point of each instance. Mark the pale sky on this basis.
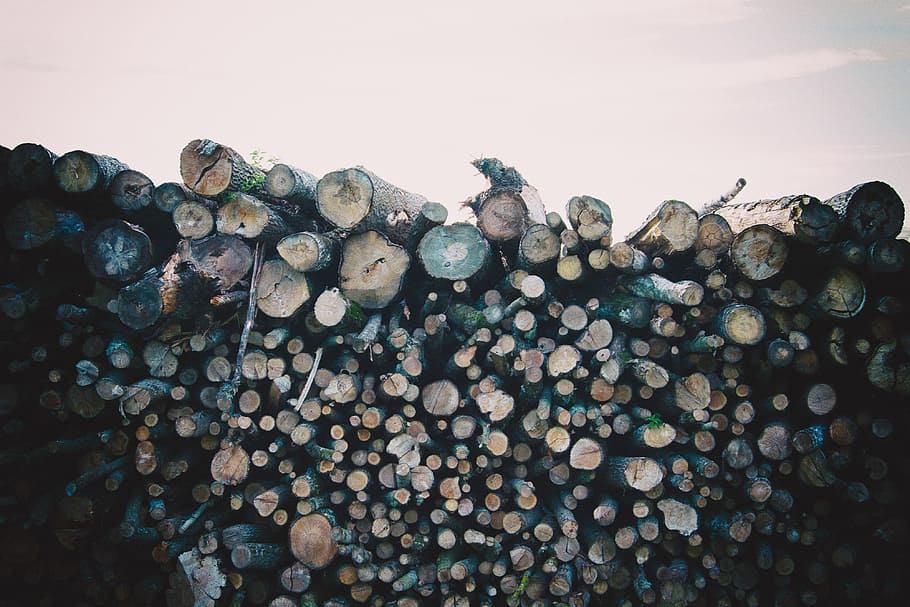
(631, 102)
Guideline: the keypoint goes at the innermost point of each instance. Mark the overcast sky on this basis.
(630, 102)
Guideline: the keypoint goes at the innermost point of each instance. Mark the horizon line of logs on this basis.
(260, 387)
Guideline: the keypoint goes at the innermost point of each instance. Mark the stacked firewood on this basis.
(259, 387)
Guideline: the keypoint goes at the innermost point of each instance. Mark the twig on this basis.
(710, 207)
(193, 518)
(229, 389)
(309, 380)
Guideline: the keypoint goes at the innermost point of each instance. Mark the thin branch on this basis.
(712, 206)
(229, 389)
(309, 380)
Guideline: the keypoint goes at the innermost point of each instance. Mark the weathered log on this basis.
(372, 270)
(870, 211)
(34, 222)
(174, 291)
(671, 228)
(740, 324)
(591, 218)
(79, 172)
(116, 250)
(252, 218)
(291, 183)
(311, 541)
(802, 216)
(282, 290)
(194, 219)
(759, 252)
(131, 190)
(654, 286)
(211, 169)
(309, 251)
(357, 199)
(30, 167)
(509, 206)
(455, 252)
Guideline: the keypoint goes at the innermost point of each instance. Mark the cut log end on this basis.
(311, 541)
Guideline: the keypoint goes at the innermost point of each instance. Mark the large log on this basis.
(372, 269)
(870, 211)
(80, 172)
(802, 216)
(671, 228)
(211, 169)
(506, 209)
(455, 252)
(30, 167)
(116, 250)
(356, 199)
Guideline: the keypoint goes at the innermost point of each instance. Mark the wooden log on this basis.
(888, 369)
(282, 290)
(759, 252)
(290, 183)
(170, 194)
(116, 250)
(455, 252)
(870, 211)
(230, 465)
(224, 260)
(80, 172)
(842, 295)
(886, 255)
(131, 191)
(193, 219)
(627, 259)
(641, 473)
(432, 214)
(372, 269)
(538, 249)
(251, 218)
(29, 167)
(671, 228)
(311, 542)
(654, 286)
(591, 218)
(172, 292)
(802, 216)
(211, 169)
(309, 251)
(714, 234)
(356, 199)
(34, 222)
(740, 324)
(509, 206)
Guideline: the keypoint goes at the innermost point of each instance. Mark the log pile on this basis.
(259, 387)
